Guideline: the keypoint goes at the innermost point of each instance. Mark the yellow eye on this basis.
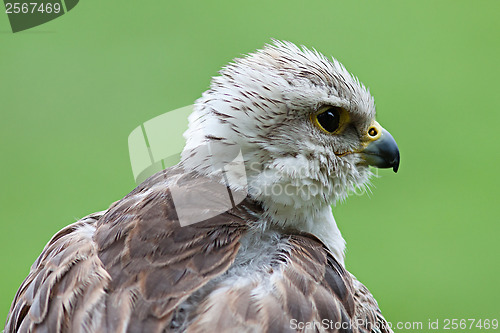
(330, 119)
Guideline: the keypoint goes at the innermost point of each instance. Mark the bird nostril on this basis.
(372, 132)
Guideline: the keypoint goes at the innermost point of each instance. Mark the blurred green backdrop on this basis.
(425, 242)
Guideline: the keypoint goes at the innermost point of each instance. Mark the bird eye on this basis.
(329, 119)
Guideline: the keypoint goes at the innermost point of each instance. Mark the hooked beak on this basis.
(381, 149)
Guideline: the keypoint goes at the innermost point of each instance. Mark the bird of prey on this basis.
(273, 261)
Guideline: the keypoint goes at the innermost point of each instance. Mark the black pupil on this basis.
(330, 119)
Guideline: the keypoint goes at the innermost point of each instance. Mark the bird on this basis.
(284, 132)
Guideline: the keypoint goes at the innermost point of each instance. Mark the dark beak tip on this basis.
(395, 163)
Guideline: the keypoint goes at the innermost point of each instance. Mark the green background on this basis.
(425, 241)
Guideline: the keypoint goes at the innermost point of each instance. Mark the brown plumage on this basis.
(140, 265)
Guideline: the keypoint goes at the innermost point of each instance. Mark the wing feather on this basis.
(46, 298)
(133, 268)
(131, 265)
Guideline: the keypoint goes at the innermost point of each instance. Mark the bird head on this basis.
(305, 126)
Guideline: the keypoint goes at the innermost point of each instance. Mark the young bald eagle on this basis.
(272, 262)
